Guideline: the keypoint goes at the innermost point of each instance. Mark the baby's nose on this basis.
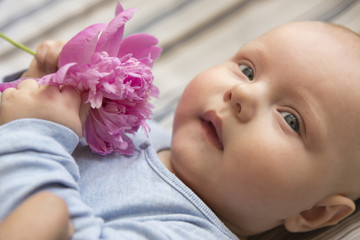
(243, 101)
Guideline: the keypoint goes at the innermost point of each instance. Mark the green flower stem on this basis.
(16, 44)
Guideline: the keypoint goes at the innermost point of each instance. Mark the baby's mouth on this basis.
(212, 125)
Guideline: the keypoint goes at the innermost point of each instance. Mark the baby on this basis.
(267, 138)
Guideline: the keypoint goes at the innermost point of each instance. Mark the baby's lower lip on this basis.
(211, 134)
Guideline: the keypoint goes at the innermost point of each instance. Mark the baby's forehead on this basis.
(310, 37)
(320, 30)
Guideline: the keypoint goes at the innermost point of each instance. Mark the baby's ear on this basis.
(328, 212)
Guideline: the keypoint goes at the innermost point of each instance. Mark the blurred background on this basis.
(194, 34)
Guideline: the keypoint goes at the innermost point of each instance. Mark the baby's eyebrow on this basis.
(309, 107)
(254, 51)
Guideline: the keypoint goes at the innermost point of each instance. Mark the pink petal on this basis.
(82, 46)
(13, 84)
(99, 139)
(58, 78)
(95, 99)
(97, 144)
(141, 45)
(119, 9)
(125, 146)
(110, 39)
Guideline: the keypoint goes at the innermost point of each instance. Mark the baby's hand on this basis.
(45, 60)
(31, 100)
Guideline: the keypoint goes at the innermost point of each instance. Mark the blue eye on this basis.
(291, 120)
(247, 71)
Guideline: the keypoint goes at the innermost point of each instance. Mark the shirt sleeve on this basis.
(35, 155)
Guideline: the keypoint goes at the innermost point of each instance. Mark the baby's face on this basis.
(264, 135)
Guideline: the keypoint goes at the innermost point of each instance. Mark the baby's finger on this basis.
(71, 230)
(6, 93)
(52, 57)
(41, 53)
(50, 90)
(69, 90)
(28, 83)
(72, 94)
(84, 112)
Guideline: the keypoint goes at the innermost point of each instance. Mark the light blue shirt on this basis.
(109, 197)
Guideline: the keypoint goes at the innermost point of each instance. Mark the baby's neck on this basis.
(165, 157)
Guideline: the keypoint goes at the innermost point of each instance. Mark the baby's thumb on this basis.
(84, 107)
(70, 231)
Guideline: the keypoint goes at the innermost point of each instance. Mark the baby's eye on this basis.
(247, 71)
(291, 120)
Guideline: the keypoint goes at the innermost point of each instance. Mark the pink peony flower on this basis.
(117, 75)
